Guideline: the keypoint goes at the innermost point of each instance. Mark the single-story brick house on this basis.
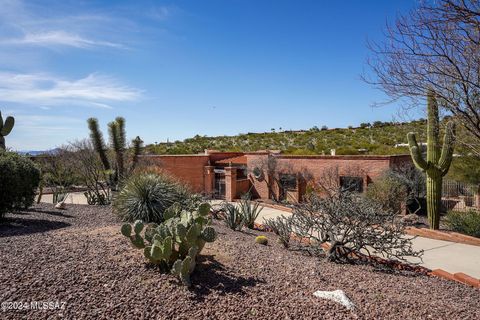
(229, 175)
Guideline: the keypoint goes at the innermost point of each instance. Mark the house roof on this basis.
(233, 160)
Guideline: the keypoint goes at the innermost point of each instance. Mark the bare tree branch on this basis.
(436, 46)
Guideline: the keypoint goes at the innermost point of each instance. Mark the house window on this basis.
(288, 181)
(351, 184)
(242, 172)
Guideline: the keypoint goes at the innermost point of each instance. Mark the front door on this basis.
(220, 185)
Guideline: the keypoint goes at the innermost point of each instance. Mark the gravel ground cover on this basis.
(78, 258)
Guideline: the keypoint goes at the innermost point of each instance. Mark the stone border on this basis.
(443, 235)
(458, 277)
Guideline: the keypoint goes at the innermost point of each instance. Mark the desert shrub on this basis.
(19, 179)
(146, 196)
(233, 217)
(351, 223)
(465, 222)
(261, 240)
(282, 227)
(403, 184)
(388, 192)
(249, 212)
(59, 172)
(174, 244)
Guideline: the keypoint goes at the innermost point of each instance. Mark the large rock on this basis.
(337, 296)
(61, 205)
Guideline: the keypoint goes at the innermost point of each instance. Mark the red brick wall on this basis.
(243, 186)
(371, 166)
(217, 156)
(189, 169)
(260, 189)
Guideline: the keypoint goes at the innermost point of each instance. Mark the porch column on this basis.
(209, 180)
(230, 183)
(301, 188)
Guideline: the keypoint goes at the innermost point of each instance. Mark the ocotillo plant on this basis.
(438, 159)
(5, 128)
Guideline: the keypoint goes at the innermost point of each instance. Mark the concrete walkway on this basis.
(72, 198)
(449, 256)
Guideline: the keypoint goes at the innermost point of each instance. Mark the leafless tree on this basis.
(91, 171)
(269, 170)
(265, 169)
(330, 183)
(436, 46)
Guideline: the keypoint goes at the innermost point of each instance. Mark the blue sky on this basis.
(175, 69)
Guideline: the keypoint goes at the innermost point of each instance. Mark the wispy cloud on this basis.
(22, 24)
(95, 90)
(59, 38)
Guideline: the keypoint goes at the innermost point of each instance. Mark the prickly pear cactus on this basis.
(174, 245)
(5, 128)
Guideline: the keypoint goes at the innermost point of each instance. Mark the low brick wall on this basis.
(243, 186)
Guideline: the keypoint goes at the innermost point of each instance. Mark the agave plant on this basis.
(146, 196)
(249, 212)
(233, 217)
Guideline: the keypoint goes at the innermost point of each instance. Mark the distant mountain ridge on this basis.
(37, 152)
(377, 138)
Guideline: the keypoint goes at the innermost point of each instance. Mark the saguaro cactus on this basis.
(438, 159)
(5, 128)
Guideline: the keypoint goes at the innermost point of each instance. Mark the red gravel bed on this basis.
(77, 257)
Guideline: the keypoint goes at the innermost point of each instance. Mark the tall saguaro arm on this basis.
(447, 149)
(416, 152)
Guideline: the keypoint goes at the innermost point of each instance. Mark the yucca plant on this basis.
(98, 142)
(137, 150)
(118, 144)
(116, 131)
(146, 196)
(249, 211)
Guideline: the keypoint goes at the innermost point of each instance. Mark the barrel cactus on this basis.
(5, 129)
(174, 244)
(438, 159)
(261, 240)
